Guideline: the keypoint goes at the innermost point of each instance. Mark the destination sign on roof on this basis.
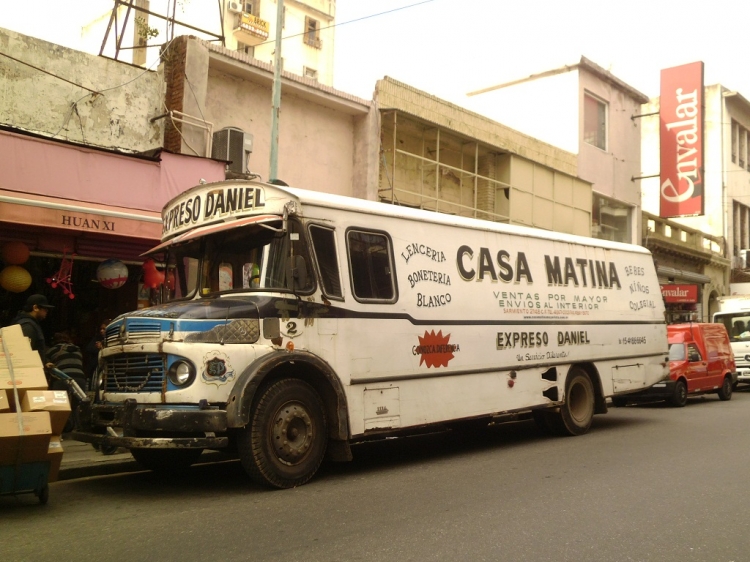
(209, 204)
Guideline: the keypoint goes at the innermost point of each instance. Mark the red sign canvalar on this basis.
(681, 139)
(680, 293)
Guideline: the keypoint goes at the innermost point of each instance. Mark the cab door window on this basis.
(371, 266)
(324, 246)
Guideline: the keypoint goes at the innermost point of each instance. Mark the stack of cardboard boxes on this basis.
(32, 418)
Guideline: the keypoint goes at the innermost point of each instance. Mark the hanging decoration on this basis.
(15, 253)
(15, 279)
(112, 274)
(152, 277)
(63, 276)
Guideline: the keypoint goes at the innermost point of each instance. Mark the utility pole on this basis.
(273, 167)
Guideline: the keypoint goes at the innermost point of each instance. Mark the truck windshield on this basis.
(737, 325)
(248, 258)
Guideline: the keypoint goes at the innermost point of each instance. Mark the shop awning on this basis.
(39, 210)
(212, 229)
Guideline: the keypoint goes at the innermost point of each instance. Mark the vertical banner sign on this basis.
(681, 136)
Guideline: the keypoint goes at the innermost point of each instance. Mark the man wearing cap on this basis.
(33, 312)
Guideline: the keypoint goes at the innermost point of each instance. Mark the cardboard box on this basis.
(20, 359)
(14, 339)
(54, 456)
(53, 401)
(27, 378)
(27, 443)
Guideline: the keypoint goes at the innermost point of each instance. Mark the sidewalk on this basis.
(81, 459)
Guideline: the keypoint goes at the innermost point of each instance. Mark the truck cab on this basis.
(700, 362)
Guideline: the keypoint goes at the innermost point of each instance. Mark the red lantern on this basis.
(15, 253)
(152, 277)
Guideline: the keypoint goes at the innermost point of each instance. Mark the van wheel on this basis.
(679, 398)
(725, 392)
(577, 412)
(285, 441)
(166, 460)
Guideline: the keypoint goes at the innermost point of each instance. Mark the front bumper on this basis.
(166, 426)
(743, 375)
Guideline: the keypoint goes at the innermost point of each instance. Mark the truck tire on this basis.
(166, 460)
(679, 398)
(725, 392)
(285, 441)
(575, 415)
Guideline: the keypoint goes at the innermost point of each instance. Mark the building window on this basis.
(312, 32)
(611, 220)
(594, 121)
(247, 49)
(735, 128)
(310, 73)
(251, 7)
(743, 147)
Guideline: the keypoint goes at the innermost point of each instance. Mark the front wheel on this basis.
(285, 441)
(679, 398)
(725, 392)
(577, 412)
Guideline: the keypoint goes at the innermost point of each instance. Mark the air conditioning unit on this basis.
(233, 145)
(235, 7)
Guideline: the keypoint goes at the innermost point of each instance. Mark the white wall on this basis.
(544, 109)
(115, 118)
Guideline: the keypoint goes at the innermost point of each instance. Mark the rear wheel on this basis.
(577, 412)
(166, 460)
(679, 397)
(725, 392)
(285, 441)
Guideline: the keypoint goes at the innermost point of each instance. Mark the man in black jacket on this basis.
(34, 311)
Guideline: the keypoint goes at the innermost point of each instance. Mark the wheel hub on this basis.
(292, 432)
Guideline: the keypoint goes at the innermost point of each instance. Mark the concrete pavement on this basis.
(81, 459)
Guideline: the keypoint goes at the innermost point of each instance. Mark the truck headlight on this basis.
(181, 373)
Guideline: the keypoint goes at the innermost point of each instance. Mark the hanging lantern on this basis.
(15, 253)
(112, 274)
(15, 279)
(152, 277)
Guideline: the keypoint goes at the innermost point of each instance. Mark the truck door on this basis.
(697, 369)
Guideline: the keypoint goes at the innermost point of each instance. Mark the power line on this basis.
(350, 21)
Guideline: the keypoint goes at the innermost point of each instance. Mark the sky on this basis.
(450, 47)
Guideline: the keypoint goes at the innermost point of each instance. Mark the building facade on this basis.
(725, 224)
(584, 109)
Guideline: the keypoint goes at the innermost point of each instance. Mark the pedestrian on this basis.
(92, 351)
(68, 358)
(34, 311)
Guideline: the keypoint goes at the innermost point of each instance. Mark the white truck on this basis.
(299, 323)
(734, 313)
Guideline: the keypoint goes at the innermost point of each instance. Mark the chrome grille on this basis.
(134, 372)
(137, 331)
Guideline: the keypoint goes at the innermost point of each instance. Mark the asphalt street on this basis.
(648, 483)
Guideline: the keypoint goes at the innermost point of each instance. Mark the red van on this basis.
(700, 362)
